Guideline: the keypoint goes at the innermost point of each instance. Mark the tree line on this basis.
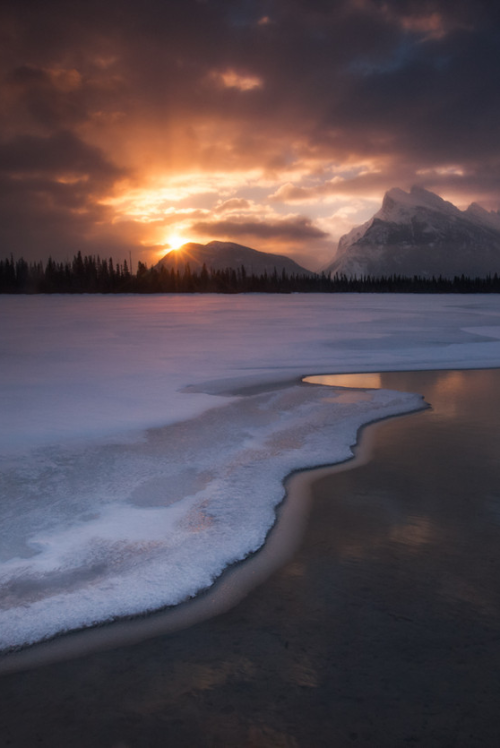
(91, 274)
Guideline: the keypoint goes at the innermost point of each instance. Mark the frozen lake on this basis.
(145, 439)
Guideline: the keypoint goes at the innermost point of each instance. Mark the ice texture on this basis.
(145, 440)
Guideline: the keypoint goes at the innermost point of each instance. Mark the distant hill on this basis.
(222, 255)
(419, 233)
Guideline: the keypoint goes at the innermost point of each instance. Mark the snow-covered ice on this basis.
(140, 457)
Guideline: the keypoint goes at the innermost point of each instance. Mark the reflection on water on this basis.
(382, 631)
(448, 391)
(370, 381)
(429, 490)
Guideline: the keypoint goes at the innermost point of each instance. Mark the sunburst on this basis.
(176, 241)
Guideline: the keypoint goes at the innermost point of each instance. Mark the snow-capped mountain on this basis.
(419, 233)
(222, 255)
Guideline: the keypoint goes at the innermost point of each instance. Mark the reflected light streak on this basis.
(368, 381)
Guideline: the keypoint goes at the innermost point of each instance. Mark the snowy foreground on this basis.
(139, 458)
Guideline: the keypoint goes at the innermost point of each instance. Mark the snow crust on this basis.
(144, 440)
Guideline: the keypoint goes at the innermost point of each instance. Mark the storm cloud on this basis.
(289, 230)
(282, 117)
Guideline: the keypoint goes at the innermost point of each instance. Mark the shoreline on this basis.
(234, 583)
(238, 579)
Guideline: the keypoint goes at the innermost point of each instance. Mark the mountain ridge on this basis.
(420, 233)
(218, 255)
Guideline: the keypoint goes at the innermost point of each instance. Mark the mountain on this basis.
(419, 233)
(222, 255)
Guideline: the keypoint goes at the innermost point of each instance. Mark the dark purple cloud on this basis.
(59, 154)
(287, 229)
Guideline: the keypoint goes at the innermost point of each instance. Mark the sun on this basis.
(176, 241)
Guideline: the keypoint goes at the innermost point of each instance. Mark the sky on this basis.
(128, 128)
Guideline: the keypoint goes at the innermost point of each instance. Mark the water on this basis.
(383, 629)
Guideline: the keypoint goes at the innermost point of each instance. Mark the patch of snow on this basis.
(398, 206)
(483, 217)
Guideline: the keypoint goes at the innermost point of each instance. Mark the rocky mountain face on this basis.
(222, 255)
(419, 233)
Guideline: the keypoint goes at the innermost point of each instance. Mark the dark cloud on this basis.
(60, 154)
(49, 195)
(287, 229)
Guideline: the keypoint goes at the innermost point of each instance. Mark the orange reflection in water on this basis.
(448, 388)
(368, 381)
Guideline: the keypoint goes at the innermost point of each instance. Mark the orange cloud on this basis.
(231, 79)
(232, 204)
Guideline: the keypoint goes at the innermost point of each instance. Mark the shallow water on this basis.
(382, 630)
